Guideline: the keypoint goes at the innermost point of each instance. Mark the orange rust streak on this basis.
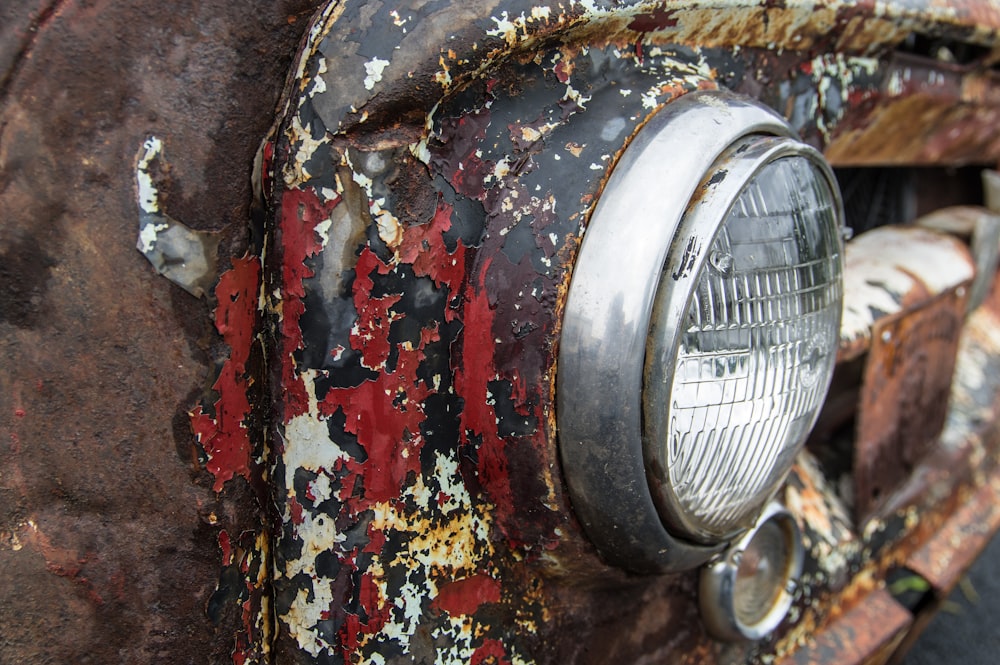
(950, 551)
(861, 635)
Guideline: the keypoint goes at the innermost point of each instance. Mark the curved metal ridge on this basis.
(439, 48)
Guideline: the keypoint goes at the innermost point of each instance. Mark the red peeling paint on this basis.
(375, 315)
(240, 651)
(224, 437)
(464, 596)
(477, 367)
(350, 635)
(563, 69)
(388, 429)
(301, 211)
(460, 163)
(424, 247)
(492, 652)
(295, 508)
(370, 600)
(477, 370)
(227, 549)
(376, 540)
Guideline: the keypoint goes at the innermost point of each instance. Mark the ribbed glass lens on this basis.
(757, 347)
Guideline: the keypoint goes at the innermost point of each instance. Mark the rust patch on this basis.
(904, 394)
(865, 634)
(949, 552)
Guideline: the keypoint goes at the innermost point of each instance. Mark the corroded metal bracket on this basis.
(904, 394)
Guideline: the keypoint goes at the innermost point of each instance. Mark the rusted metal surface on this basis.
(904, 394)
(920, 111)
(114, 547)
(906, 293)
(865, 634)
(950, 551)
(946, 555)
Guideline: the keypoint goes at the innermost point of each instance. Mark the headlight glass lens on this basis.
(755, 350)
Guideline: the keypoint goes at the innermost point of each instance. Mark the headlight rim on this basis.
(599, 403)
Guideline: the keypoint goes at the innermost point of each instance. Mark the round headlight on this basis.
(700, 331)
(743, 336)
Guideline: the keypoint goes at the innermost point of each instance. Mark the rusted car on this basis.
(495, 332)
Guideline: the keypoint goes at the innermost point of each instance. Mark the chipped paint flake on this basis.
(148, 196)
(184, 256)
(373, 72)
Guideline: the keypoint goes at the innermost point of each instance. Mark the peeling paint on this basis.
(885, 269)
(184, 256)
(434, 162)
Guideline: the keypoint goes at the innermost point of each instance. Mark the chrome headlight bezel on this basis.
(605, 447)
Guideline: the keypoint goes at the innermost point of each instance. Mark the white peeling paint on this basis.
(295, 172)
(148, 196)
(308, 613)
(147, 236)
(883, 265)
(435, 550)
(373, 71)
(307, 438)
(319, 83)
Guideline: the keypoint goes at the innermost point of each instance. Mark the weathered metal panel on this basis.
(904, 394)
(114, 547)
(892, 269)
(949, 552)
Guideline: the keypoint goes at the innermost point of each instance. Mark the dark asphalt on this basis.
(966, 631)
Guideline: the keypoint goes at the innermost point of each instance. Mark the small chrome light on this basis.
(700, 331)
(749, 590)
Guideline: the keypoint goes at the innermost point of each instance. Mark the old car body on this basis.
(364, 401)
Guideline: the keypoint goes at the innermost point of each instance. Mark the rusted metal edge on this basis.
(944, 558)
(869, 629)
(876, 627)
(903, 404)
